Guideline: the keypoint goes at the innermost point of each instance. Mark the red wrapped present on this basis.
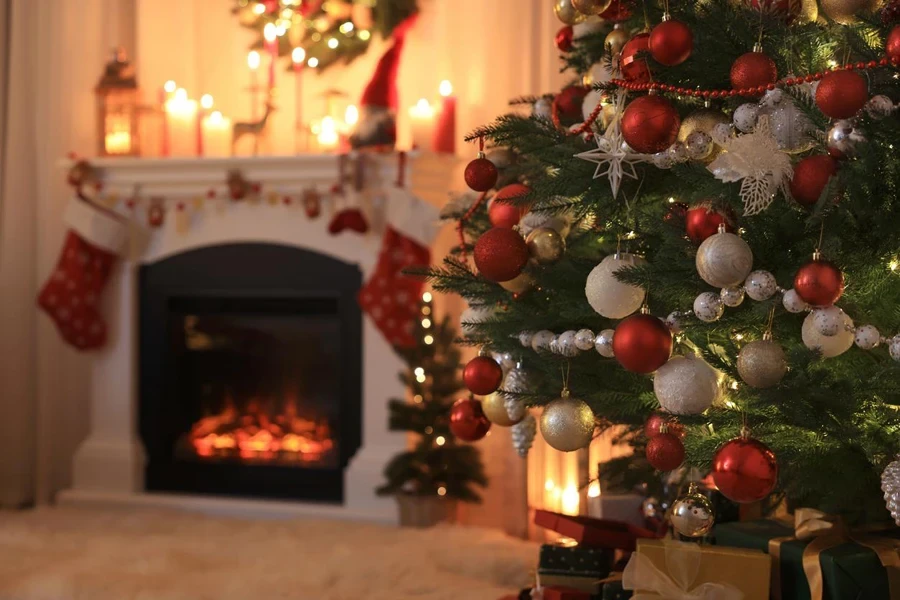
(599, 533)
(564, 593)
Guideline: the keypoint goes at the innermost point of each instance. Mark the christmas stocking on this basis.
(72, 294)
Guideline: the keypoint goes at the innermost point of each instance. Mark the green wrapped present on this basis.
(839, 564)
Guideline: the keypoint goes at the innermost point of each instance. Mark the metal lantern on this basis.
(118, 110)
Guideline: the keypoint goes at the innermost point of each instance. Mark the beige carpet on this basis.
(67, 553)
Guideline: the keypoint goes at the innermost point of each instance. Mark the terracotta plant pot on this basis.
(425, 511)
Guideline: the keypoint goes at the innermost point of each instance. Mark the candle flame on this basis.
(328, 136)
(594, 489)
(206, 101)
(215, 118)
(298, 55)
(169, 86)
(570, 500)
(259, 8)
(446, 88)
(253, 60)
(181, 94)
(351, 115)
(269, 32)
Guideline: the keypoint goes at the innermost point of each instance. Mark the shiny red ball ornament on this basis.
(617, 11)
(842, 94)
(568, 104)
(653, 425)
(503, 213)
(482, 375)
(642, 343)
(671, 43)
(745, 470)
(481, 174)
(892, 44)
(665, 452)
(819, 283)
(703, 221)
(752, 70)
(650, 124)
(811, 175)
(565, 38)
(635, 69)
(501, 254)
(468, 421)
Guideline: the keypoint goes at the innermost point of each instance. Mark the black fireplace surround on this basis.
(257, 332)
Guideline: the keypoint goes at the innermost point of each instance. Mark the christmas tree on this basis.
(702, 246)
(437, 465)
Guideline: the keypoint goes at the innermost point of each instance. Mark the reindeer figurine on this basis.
(254, 128)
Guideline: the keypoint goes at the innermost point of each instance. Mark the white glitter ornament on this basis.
(879, 106)
(584, 339)
(699, 145)
(760, 285)
(686, 385)
(894, 347)
(890, 485)
(828, 346)
(540, 342)
(732, 296)
(678, 152)
(662, 160)
(772, 97)
(793, 302)
(790, 126)
(674, 322)
(724, 259)
(607, 295)
(603, 343)
(745, 117)
(525, 338)
(523, 434)
(543, 108)
(828, 320)
(554, 345)
(708, 307)
(566, 344)
(867, 337)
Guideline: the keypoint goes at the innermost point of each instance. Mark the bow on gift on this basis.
(682, 564)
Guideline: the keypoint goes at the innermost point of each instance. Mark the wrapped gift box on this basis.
(587, 531)
(625, 508)
(564, 593)
(574, 567)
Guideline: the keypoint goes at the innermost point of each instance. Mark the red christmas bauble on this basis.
(650, 124)
(752, 70)
(481, 174)
(482, 375)
(745, 470)
(819, 283)
(568, 104)
(892, 44)
(501, 254)
(656, 420)
(501, 212)
(565, 38)
(703, 221)
(618, 10)
(665, 452)
(468, 421)
(635, 69)
(642, 343)
(811, 175)
(671, 43)
(842, 94)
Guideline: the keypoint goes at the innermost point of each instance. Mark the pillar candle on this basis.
(253, 64)
(181, 118)
(421, 120)
(445, 132)
(298, 56)
(216, 134)
(271, 37)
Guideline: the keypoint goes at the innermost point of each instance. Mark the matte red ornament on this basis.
(635, 69)
(565, 38)
(671, 43)
(842, 94)
(642, 343)
(568, 104)
(482, 375)
(502, 212)
(752, 70)
(819, 283)
(665, 452)
(481, 174)
(892, 44)
(703, 221)
(468, 421)
(650, 124)
(745, 470)
(617, 11)
(811, 175)
(654, 423)
(501, 254)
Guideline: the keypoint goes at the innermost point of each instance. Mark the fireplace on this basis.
(250, 372)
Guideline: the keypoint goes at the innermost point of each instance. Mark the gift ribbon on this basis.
(682, 564)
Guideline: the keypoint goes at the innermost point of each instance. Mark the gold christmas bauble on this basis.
(567, 423)
(591, 7)
(546, 245)
(845, 11)
(692, 514)
(762, 364)
(705, 121)
(567, 13)
(520, 284)
(724, 260)
(616, 39)
(494, 407)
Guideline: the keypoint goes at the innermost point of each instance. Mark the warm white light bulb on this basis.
(426, 323)
(170, 86)
(332, 43)
(429, 340)
(206, 101)
(445, 89)
(427, 297)
(312, 63)
(351, 115)
(298, 55)
(442, 491)
(253, 60)
(594, 489)
(215, 118)
(259, 8)
(364, 35)
(346, 28)
(549, 485)
(439, 440)
(181, 94)
(270, 32)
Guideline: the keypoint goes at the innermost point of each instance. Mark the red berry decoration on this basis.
(671, 42)
(650, 124)
(503, 212)
(635, 69)
(752, 70)
(468, 421)
(665, 452)
(745, 470)
(892, 44)
(481, 174)
(568, 104)
(842, 94)
(811, 175)
(653, 425)
(617, 11)
(819, 282)
(703, 221)
(501, 254)
(482, 375)
(565, 38)
(642, 343)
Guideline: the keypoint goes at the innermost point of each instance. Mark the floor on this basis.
(72, 553)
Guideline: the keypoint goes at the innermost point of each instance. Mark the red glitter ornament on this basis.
(842, 94)
(819, 282)
(811, 175)
(634, 69)
(650, 124)
(703, 220)
(565, 38)
(501, 254)
(665, 452)
(482, 375)
(481, 174)
(653, 425)
(892, 44)
(618, 10)
(468, 421)
(568, 104)
(642, 343)
(671, 43)
(745, 470)
(502, 212)
(752, 70)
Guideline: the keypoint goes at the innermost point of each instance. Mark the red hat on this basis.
(382, 87)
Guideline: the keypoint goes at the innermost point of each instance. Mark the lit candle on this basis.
(421, 119)
(298, 56)
(270, 34)
(181, 117)
(216, 134)
(206, 103)
(118, 142)
(165, 93)
(351, 118)
(445, 131)
(253, 63)
(327, 134)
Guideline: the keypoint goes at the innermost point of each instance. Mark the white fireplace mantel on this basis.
(108, 466)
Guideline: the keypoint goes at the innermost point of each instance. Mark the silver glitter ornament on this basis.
(793, 302)
(567, 423)
(699, 145)
(879, 106)
(867, 337)
(543, 108)
(603, 343)
(894, 347)
(828, 320)
(518, 381)
(523, 434)
(692, 514)
(584, 339)
(674, 322)
(566, 344)
(843, 138)
(525, 338)
(760, 285)
(678, 152)
(790, 126)
(745, 117)
(540, 341)
(554, 345)
(732, 296)
(890, 485)
(762, 363)
(662, 160)
(708, 307)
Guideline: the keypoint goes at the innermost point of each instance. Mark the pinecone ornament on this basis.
(890, 485)
(518, 381)
(523, 434)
